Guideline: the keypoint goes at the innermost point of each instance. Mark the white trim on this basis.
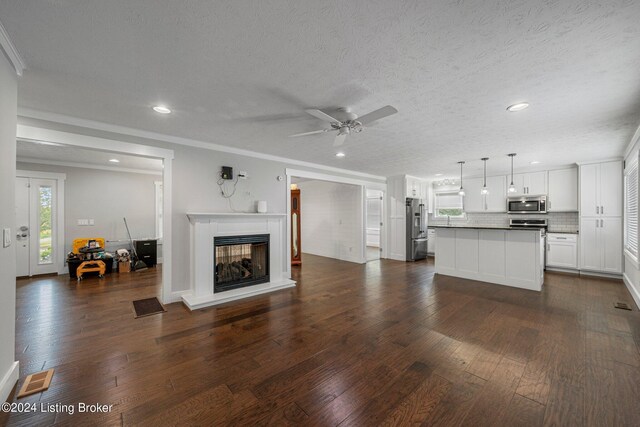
(41, 175)
(592, 162)
(10, 51)
(599, 274)
(176, 296)
(634, 139)
(60, 179)
(90, 124)
(563, 270)
(9, 379)
(38, 134)
(335, 178)
(86, 166)
(194, 302)
(632, 290)
(631, 258)
(33, 133)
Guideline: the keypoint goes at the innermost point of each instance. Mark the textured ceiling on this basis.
(84, 158)
(241, 73)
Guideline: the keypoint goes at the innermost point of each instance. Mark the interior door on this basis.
(22, 227)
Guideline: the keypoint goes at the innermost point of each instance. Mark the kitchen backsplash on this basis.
(566, 222)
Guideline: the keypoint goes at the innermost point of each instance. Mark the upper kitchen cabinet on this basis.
(530, 183)
(563, 190)
(495, 201)
(417, 188)
(601, 189)
(473, 200)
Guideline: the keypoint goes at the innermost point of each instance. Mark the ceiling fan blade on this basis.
(310, 133)
(377, 114)
(322, 116)
(339, 140)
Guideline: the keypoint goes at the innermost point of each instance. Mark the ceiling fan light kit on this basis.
(349, 122)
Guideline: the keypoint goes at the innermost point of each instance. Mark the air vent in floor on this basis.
(35, 383)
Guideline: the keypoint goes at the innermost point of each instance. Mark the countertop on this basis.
(489, 227)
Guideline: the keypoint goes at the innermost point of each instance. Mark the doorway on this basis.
(39, 215)
(374, 224)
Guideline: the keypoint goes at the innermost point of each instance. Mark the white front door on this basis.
(22, 227)
(36, 226)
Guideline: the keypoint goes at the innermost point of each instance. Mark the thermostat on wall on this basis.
(227, 172)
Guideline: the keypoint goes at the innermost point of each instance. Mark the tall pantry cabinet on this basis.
(601, 217)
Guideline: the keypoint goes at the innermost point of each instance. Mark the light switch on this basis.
(92, 222)
(6, 237)
(83, 222)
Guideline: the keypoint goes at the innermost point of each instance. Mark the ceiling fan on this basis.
(346, 122)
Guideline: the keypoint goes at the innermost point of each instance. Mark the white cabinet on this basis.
(495, 201)
(417, 188)
(431, 242)
(601, 189)
(562, 250)
(563, 190)
(473, 200)
(529, 183)
(601, 244)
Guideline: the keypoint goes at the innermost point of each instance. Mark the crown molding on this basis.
(86, 166)
(10, 51)
(634, 139)
(105, 127)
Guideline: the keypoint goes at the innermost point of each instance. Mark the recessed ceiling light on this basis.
(438, 174)
(518, 107)
(114, 160)
(162, 109)
(535, 162)
(340, 154)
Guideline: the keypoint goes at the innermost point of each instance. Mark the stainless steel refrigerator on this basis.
(416, 229)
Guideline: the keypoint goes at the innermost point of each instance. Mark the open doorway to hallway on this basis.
(374, 224)
(327, 219)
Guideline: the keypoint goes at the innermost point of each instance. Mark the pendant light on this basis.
(461, 191)
(512, 187)
(485, 190)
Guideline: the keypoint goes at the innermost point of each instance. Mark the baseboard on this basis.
(175, 296)
(604, 275)
(563, 270)
(635, 294)
(9, 380)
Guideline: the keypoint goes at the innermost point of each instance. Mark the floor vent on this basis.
(622, 306)
(35, 383)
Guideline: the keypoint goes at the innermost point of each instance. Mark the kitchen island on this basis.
(502, 255)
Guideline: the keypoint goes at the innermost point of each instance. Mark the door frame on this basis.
(383, 235)
(364, 185)
(38, 134)
(59, 243)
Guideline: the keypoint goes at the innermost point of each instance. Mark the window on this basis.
(448, 203)
(631, 209)
(159, 208)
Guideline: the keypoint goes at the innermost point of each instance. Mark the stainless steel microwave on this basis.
(527, 205)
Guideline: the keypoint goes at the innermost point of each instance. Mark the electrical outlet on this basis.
(6, 237)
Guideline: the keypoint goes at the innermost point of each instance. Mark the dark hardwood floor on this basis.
(385, 343)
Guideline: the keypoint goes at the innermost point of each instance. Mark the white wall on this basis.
(631, 271)
(331, 217)
(106, 197)
(8, 113)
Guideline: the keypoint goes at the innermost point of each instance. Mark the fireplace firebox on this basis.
(240, 261)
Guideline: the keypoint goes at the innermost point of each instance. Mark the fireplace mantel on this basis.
(205, 227)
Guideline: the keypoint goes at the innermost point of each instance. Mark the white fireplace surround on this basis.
(205, 227)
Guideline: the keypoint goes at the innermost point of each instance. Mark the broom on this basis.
(135, 261)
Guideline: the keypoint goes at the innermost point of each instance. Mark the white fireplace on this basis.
(206, 227)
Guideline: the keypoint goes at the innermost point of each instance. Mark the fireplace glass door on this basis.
(240, 261)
